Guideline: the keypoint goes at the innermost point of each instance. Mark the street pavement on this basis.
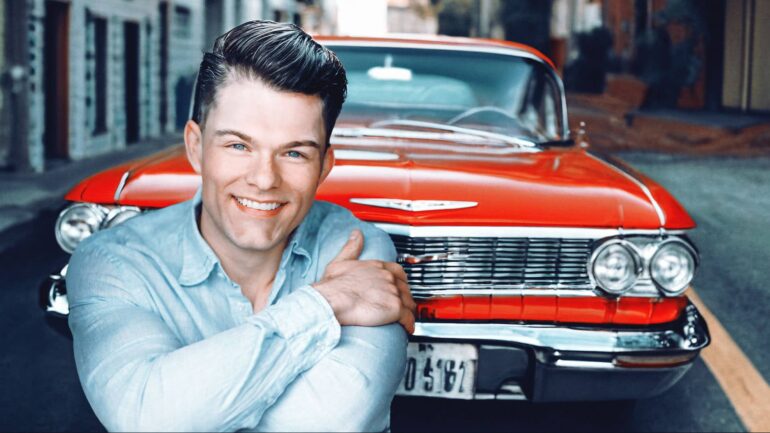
(727, 197)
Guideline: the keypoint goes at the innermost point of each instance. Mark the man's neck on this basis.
(253, 271)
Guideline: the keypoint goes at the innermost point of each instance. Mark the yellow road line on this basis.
(742, 383)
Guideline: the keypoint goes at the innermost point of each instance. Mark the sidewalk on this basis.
(613, 124)
(24, 195)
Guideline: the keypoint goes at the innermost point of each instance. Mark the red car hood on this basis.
(558, 187)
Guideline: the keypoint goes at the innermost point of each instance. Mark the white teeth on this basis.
(256, 205)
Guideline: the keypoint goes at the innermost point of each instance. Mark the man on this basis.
(250, 306)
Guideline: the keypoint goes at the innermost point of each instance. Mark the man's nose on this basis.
(264, 173)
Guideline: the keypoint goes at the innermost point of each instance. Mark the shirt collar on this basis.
(198, 259)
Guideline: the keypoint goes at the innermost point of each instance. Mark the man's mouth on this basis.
(259, 205)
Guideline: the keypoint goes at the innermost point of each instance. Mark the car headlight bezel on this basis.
(661, 248)
(634, 255)
(94, 212)
(102, 217)
(119, 214)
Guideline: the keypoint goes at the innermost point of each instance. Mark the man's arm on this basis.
(137, 374)
(351, 388)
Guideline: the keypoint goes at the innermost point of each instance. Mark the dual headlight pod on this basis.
(81, 220)
(617, 265)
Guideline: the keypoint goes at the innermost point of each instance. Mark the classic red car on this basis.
(542, 271)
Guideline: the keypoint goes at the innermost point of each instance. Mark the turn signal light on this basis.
(654, 361)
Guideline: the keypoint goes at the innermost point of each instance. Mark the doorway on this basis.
(56, 79)
(131, 66)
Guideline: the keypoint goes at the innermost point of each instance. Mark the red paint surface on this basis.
(558, 187)
(552, 309)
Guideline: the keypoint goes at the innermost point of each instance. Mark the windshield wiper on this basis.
(507, 139)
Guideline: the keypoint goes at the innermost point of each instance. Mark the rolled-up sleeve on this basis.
(137, 374)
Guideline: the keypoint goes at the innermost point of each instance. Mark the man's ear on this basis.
(193, 144)
(328, 164)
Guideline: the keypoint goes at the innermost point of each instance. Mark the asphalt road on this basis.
(728, 198)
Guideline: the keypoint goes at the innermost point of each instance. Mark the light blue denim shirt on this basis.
(164, 340)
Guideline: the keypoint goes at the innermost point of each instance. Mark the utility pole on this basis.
(15, 78)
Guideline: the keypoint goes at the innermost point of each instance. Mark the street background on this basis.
(677, 88)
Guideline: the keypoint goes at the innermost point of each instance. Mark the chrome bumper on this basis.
(538, 362)
(52, 294)
(560, 363)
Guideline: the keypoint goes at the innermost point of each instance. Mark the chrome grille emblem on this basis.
(425, 258)
(414, 205)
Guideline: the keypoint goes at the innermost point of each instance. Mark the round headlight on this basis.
(615, 267)
(76, 223)
(120, 214)
(673, 267)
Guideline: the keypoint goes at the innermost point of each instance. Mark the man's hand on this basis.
(366, 292)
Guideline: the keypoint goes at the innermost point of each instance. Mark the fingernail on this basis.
(353, 235)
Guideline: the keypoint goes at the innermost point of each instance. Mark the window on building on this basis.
(100, 32)
(96, 73)
(182, 24)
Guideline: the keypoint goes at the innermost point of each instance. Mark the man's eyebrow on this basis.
(241, 135)
(247, 138)
(310, 143)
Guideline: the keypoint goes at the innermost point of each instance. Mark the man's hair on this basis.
(279, 54)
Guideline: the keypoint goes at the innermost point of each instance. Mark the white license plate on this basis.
(445, 370)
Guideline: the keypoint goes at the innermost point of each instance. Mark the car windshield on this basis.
(433, 88)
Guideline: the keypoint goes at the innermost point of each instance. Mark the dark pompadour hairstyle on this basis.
(282, 56)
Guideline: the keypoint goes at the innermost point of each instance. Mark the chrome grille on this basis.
(494, 263)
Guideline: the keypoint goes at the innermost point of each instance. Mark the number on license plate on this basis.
(439, 370)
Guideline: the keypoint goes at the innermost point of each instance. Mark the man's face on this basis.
(260, 156)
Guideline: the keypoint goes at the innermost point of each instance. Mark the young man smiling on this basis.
(250, 306)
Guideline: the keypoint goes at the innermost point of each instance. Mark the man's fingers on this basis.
(406, 320)
(406, 295)
(397, 271)
(352, 248)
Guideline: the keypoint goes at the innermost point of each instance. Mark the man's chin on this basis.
(261, 245)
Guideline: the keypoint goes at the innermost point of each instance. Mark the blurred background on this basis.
(86, 77)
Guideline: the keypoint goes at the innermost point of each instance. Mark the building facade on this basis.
(101, 75)
(693, 54)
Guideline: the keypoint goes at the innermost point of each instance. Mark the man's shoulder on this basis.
(334, 223)
(151, 232)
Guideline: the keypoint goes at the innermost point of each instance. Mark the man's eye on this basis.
(294, 154)
(238, 146)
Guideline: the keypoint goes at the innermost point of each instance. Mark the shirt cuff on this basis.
(305, 312)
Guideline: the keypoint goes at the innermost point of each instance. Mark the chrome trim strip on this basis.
(507, 51)
(639, 183)
(689, 333)
(414, 205)
(121, 185)
(643, 289)
(573, 292)
(514, 231)
(577, 363)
